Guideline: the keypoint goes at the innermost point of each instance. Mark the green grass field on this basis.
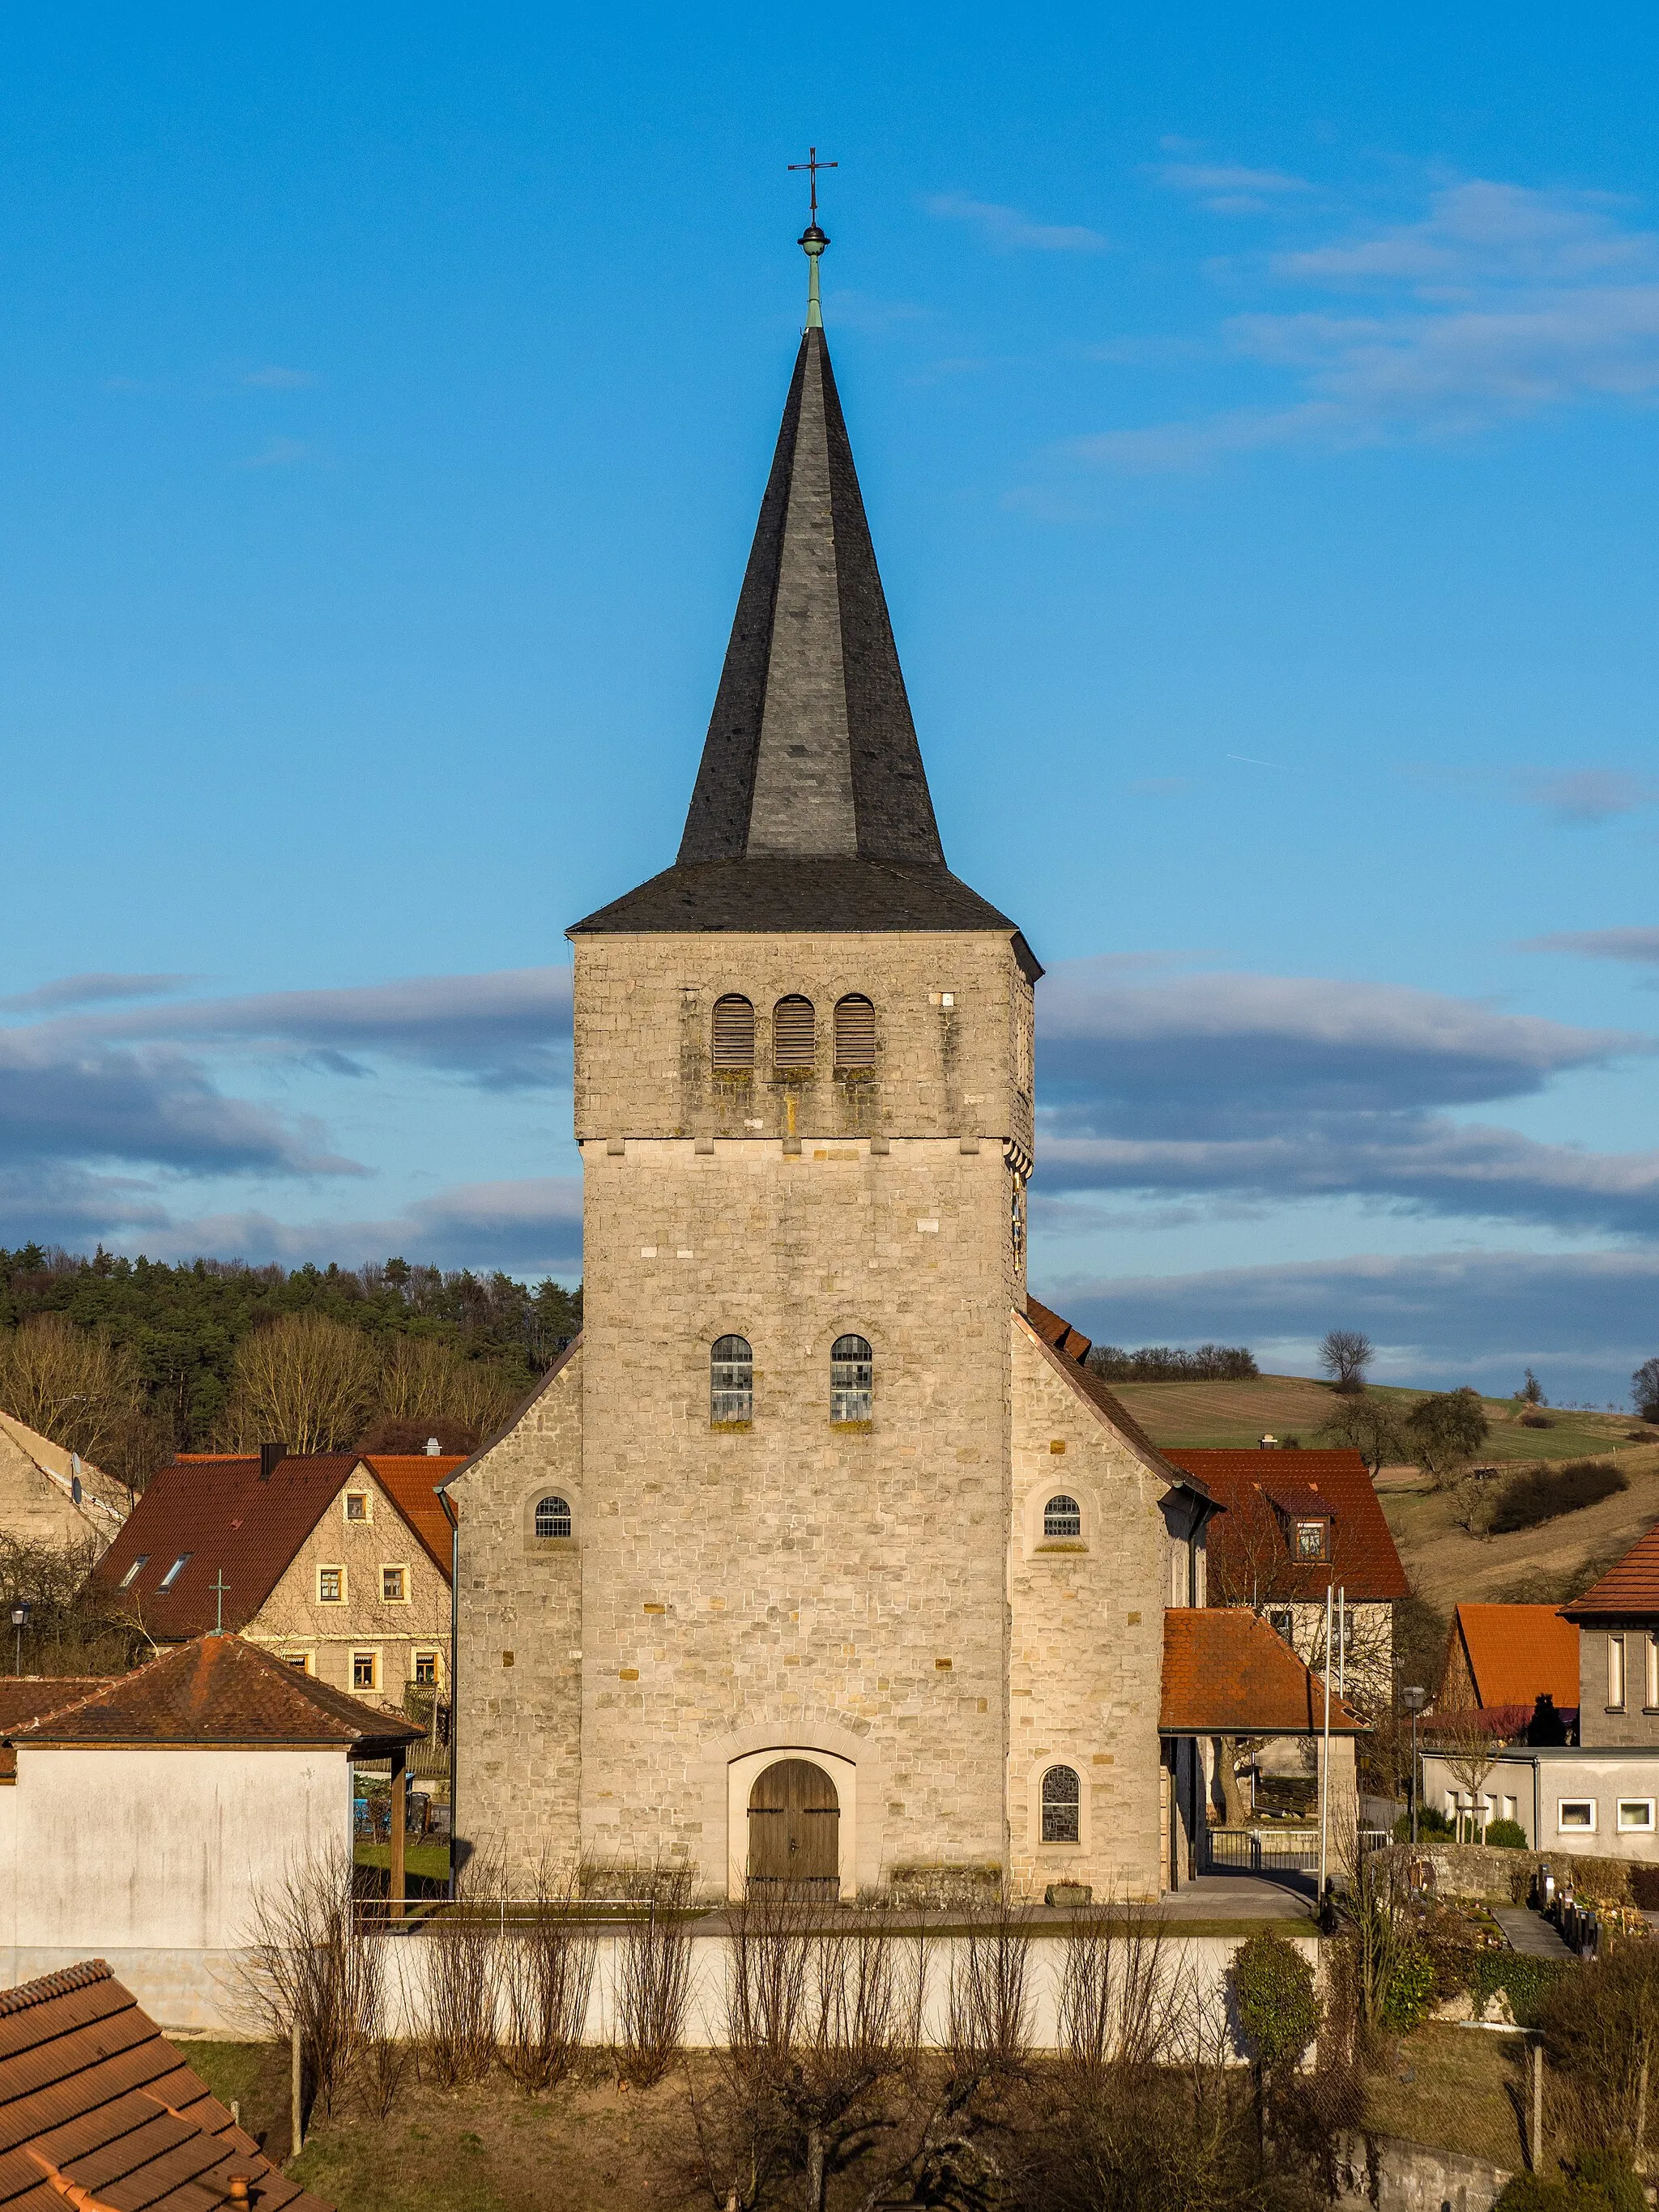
(430, 1860)
(1238, 1413)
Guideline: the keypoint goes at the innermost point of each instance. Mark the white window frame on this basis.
(372, 1653)
(1565, 1827)
(1635, 1827)
(330, 1567)
(395, 1567)
(1650, 1669)
(1616, 1677)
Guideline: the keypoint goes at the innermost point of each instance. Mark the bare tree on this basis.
(550, 1975)
(1369, 1427)
(72, 1384)
(311, 1965)
(303, 1380)
(424, 1379)
(1344, 1354)
(1466, 1740)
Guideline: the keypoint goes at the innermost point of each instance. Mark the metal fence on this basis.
(1274, 1851)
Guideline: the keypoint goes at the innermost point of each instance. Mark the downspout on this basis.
(450, 1515)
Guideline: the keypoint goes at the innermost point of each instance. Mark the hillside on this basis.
(1284, 1405)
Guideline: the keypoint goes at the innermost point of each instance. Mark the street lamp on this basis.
(19, 1621)
(1413, 1697)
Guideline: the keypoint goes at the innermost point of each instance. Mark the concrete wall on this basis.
(293, 1621)
(1634, 1719)
(519, 1700)
(1087, 1645)
(113, 1852)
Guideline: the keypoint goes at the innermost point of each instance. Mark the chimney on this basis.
(432, 1448)
(270, 1455)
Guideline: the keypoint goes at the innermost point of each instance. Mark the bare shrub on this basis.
(1118, 1990)
(550, 1975)
(457, 2042)
(424, 1379)
(304, 1380)
(989, 2006)
(311, 1964)
(654, 1980)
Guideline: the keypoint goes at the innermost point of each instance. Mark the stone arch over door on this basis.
(804, 1794)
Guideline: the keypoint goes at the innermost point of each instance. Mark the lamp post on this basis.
(1413, 1697)
(19, 1621)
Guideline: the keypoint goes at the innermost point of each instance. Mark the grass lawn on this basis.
(1237, 1415)
(1456, 2087)
(430, 1860)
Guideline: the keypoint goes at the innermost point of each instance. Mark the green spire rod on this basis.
(813, 239)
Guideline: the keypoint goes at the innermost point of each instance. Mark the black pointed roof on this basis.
(810, 808)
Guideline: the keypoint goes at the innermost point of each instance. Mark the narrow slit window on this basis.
(1651, 1654)
(1063, 1517)
(856, 1032)
(173, 1571)
(1062, 1806)
(552, 1517)
(734, 1034)
(852, 1380)
(794, 1034)
(1616, 1672)
(731, 1379)
(135, 1570)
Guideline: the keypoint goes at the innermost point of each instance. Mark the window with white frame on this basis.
(1650, 1658)
(1574, 1814)
(1635, 1816)
(1616, 1673)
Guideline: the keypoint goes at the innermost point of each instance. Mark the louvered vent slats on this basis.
(734, 1032)
(795, 1033)
(856, 1032)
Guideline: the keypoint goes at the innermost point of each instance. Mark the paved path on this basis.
(1529, 1933)
(1242, 1897)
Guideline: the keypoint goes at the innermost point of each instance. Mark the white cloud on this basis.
(1229, 187)
(1010, 231)
(1640, 946)
(1586, 794)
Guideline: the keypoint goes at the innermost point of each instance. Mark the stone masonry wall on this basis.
(518, 1698)
(1088, 1637)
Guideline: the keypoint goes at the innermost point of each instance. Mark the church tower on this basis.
(780, 1576)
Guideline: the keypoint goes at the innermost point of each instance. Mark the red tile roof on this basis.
(1225, 1672)
(1054, 1335)
(1052, 1330)
(408, 1479)
(1629, 1588)
(1251, 1560)
(24, 1699)
(98, 2109)
(214, 1511)
(221, 1692)
(1516, 1654)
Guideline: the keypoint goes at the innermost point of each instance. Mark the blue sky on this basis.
(1257, 417)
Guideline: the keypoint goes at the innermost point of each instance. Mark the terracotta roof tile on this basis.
(95, 2098)
(410, 1479)
(1052, 1333)
(218, 1690)
(1630, 1587)
(1053, 1329)
(1225, 1672)
(1518, 1653)
(26, 1697)
(1251, 1556)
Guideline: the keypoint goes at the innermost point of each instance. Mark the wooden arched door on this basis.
(794, 1829)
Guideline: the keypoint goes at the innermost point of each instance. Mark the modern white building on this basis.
(1602, 1800)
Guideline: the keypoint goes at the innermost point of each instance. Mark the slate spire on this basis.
(810, 751)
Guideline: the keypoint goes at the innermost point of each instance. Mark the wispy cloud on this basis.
(278, 453)
(1586, 794)
(275, 379)
(1498, 303)
(1230, 188)
(1010, 231)
(1639, 946)
(94, 990)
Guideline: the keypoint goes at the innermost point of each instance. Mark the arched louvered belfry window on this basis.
(795, 1033)
(1062, 1517)
(734, 1033)
(852, 1379)
(731, 1379)
(1062, 1806)
(855, 1033)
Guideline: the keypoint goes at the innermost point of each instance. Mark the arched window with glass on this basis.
(1062, 1519)
(1062, 1806)
(852, 1379)
(553, 1520)
(734, 1039)
(794, 1034)
(855, 1034)
(731, 1379)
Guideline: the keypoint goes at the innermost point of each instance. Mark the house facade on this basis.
(53, 1496)
(820, 1558)
(1618, 1623)
(338, 1563)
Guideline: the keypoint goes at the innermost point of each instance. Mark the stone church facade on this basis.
(818, 1552)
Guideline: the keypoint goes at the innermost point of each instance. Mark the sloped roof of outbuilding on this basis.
(99, 2109)
(1518, 1653)
(1225, 1672)
(218, 1693)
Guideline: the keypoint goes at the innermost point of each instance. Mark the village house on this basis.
(820, 1559)
(337, 1562)
(1501, 1660)
(53, 1496)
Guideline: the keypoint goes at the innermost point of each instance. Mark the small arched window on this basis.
(552, 1516)
(1062, 1806)
(1062, 1517)
(731, 1379)
(734, 1032)
(856, 1032)
(795, 1033)
(852, 1380)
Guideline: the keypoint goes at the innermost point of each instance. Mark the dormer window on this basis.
(1313, 1540)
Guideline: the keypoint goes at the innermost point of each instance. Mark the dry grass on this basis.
(1453, 2088)
(1238, 1414)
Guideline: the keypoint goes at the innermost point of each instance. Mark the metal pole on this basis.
(297, 2128)
(1325, 1756)
(1414, 1780)
(1536, 2132)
